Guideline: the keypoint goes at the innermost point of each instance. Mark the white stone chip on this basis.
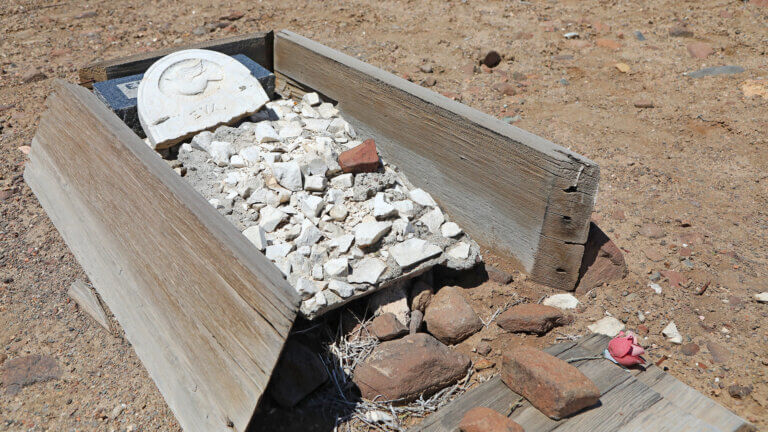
(405, 208)
(237, 161)
(279, 250)
(316, 125)
(202, 141)
(288, 175)
(309, 234)
(762, 297)
(433, 219)
(220, 152)
(413, 251)
(311, 99)
(671, 333)
(381, 208)
(270, 218)
(291, 130)
(342, 243)
(327, 110)
(257, 236)
(312, 205)
(343, 181)
(338, 212)
(265, 133)
(189, 91)
(284, 266)
(608, 326)
(422, 197)
(341, 288)
(315, 183)
(458, 251)
(368, 270)
(368, 233)
(337, 267)
(450, 229)
(563, 301)
(306, 288)
(317, 272)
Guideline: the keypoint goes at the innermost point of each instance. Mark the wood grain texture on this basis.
(691, 401)
(256, 46)
(514, 192)
(664, 416)
(206, 312)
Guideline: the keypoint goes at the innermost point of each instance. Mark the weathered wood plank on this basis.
(88, 302)
(664, 416)
(517, 194)
(256, 46)
(205, 311)
(691, 401)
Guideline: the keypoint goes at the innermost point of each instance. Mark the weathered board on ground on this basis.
(256, 46)
(627, 403)
(517, 194)
(206, 312)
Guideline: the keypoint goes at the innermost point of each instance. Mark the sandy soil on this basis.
(695, 165)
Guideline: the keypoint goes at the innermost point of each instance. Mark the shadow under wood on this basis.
(602, 262)
(308, 391)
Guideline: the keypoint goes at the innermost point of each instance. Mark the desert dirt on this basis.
(695, 166)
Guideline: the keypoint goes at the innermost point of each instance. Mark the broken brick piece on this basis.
(532, 318)
(360, 159)
(551, 385)
(482, 419)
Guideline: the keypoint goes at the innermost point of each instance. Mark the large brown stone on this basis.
(551, 385)
(602, 263)
(387, 327)
(482, 419)
(23, 371)
(360, 159)
(297, 374)
(406, 368)
(450, 318)
(532, 318)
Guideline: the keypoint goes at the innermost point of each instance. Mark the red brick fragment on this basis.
(551, 385)
(361, 159)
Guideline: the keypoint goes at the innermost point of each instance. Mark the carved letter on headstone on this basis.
(193, 90)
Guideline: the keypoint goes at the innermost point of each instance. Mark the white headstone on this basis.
(193, 90)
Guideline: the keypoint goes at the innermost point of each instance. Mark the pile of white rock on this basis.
(336, 236)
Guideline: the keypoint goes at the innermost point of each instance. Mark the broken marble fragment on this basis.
(265, 133)
(368, 233)
(337, 267)
(342, 243)
(288, 175)
(257, 236)
(338, 212)
(343, 181)
(278, 250)
(368, 270)
(309, 234)
(405, 208)
(458, 251)
(270, 218)
(423, 198)
(341, 288)
(311, 99)
(306, 288)
(450, 229)
(220, 152)
(315, 183)
(433, 219)
(381, 208)
(312, 205)
(413, 251)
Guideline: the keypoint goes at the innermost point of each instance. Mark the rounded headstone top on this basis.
(193, 90)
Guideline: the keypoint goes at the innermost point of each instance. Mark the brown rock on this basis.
(680, 31)
(492, 59)
(506, 89)
(3, 357)
(23, 371)
(602, 263)
(551, 385)
(653, 254)
(417, 319)
(738, 391)
(429, 82)
(387, 327)
(651, 231)
(450, 318)
(719, 353)
(699, 50)
(483, 348)
(233, 16)
(532, 318)
(297, 374)
(674, 278)
(86, 14)
(689, 349)
(642, 329)
(360, 159)
(421, 295)
(497, 275)
(482, 419)
(484, 364)
(409, 367)
(608, 43)
(33, 75)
